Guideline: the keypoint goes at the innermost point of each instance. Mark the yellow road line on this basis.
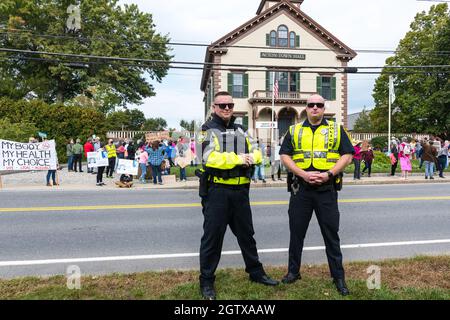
(197, 205)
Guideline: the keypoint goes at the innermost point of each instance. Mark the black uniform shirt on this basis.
(345, 147)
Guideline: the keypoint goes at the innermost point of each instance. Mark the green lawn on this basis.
(417, 278)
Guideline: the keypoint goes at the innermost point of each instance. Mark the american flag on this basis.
(275, 89)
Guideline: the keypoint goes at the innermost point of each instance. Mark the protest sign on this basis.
(160, 136)
(20, 156)
(97, 159)
(127, 167)
(184, 161)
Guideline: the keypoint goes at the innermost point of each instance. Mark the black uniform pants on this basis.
(324, 204)
(221, 207)
(77, 158)
(111, 167)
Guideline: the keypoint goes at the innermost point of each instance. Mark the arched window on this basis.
(292, 39)
(273, 38)
(282, 36)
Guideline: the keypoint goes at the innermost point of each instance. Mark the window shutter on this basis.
(298, 82)
(245, 122)
(245, 85)
(268, 89)
(319, 85)
(333, 88)
(230, 83)
(297, 41)
(267, 39)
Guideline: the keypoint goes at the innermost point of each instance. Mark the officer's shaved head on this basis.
(315, 98)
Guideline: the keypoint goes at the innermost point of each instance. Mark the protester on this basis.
(121, 150)
(182, 148)
(357, 161)
(69, 154)
(259, 168)
(442, 159)
(77, 150)
(394, 156)
(155, 158)
(169, 150)
(192, 146)
(418, 148)
(125, 181)
(131, 151)
(88, 147)
(275, 161)
(52, 174)
(112, 156)
(96, 144)
(143, 159)
(404, 153)
(429, 154)
(367, 157)
(100, 170)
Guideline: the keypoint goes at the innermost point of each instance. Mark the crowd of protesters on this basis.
(158, 157)
(432, 153)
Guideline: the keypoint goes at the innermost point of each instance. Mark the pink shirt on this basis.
(143, 157)
(357, 154)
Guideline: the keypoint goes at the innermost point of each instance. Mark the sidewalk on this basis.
(83, 181)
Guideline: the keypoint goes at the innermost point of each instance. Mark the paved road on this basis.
(43, 225)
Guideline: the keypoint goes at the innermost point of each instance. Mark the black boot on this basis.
(341, 287)
(208, 292)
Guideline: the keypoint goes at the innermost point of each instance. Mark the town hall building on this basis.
(281, 44)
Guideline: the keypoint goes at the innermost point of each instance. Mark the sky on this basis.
(360, 24)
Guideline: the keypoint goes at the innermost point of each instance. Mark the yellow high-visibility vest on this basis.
(319, 149)
(111, 149)
(217, 158)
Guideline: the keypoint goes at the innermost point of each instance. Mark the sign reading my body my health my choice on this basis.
(27, 156)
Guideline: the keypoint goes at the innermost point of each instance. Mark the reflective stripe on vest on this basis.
(319, 149)
(219, 147)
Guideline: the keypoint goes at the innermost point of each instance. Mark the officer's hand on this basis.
(320, 178)
(246, 159)
(250, 159)
(310, 176)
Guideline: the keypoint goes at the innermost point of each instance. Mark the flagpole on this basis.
(273, 106)
(389, 116)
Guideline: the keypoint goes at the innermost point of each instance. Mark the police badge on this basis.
(201, 137)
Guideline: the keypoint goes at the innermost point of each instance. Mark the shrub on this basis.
(20, 132)
(60, 122)
(379, 143)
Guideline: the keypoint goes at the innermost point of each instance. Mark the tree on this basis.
(107, 29)
(19, 132)
(188, 125)
(422, 96)
(363, 123)
(155, 124)
(60, 122)
(132, 120)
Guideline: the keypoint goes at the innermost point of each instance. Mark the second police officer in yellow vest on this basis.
(316, 152)
(228, 157)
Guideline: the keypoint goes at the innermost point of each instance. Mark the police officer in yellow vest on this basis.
(112, 156)
(228, 155)
(316, 152)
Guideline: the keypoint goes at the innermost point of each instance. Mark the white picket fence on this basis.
(129, 135)
(370, 136)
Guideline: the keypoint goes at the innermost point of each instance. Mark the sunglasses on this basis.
(319, 105)
(223, 106)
